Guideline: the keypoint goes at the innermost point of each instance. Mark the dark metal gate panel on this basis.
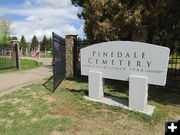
(59, 61)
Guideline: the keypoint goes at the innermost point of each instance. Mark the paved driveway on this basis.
(20, 78)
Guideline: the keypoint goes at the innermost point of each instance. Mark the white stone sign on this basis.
(120, 59)
(139, 63)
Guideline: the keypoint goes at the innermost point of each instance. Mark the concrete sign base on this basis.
(96, 85)
(149, 109)
(138, 92)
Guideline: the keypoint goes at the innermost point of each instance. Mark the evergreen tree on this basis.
(13, 38)
(23, 44)
(34, 42)
(49, 45)
(120, 19)
(44, 43)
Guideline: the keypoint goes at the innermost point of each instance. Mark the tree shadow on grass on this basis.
(78, 79)
(48, 84)
(115, 85)
(164, 96)
(83, 92)
(48, 66)
(112, 85)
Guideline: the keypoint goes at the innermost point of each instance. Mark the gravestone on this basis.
(139, 63)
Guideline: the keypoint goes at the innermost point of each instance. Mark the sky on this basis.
(42, 17)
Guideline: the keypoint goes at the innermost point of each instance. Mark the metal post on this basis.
(17, 57)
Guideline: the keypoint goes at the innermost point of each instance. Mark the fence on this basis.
(173, 78)
(5, 56)
(173, 75)
(77, 47)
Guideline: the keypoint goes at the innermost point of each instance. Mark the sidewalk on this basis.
(15, 79)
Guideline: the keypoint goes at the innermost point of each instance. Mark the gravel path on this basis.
(13, 80)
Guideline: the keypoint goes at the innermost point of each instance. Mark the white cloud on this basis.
(27, 3)
(70, 13)
(32, 18)
(55, 3)
(57, 17)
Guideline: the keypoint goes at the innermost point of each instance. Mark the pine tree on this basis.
(13, 38)
(44, 43)
(34, 42)
(121, 19)
(49, 45)
(23, 44)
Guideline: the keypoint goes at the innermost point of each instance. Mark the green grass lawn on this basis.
(5, 62)
(48, 55)
(25, 64)
(34, 110)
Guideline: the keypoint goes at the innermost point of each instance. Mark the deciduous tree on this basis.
(5, 30)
